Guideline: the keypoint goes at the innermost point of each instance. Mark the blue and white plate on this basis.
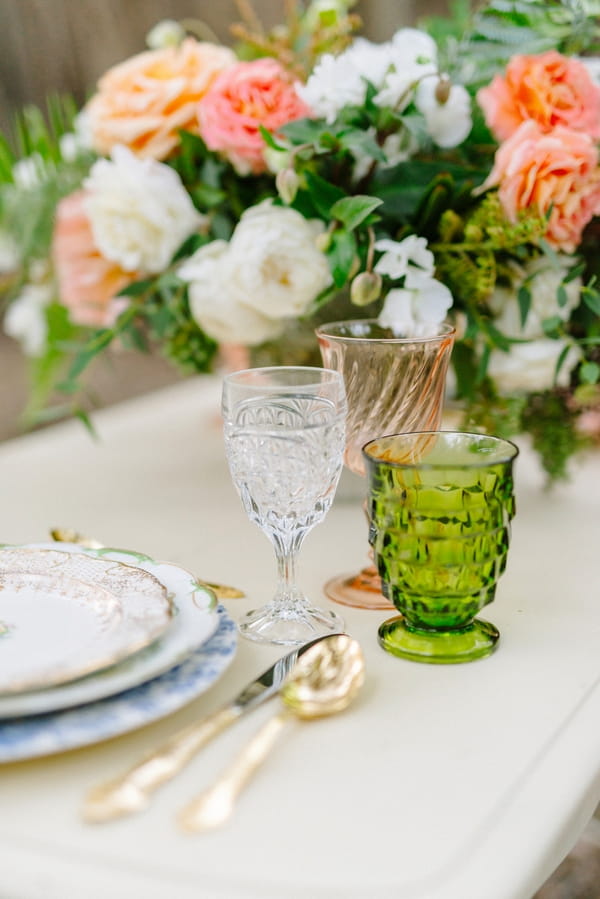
(25, 738)
(194, 620)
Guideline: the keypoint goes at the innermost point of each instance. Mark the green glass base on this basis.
(440, 647)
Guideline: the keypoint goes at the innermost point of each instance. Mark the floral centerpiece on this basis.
(209, 198)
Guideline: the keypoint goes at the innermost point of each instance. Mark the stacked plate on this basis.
(94, 643)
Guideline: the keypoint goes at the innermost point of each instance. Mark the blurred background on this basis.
(64, 46)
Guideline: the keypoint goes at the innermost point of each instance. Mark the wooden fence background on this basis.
(65, 45)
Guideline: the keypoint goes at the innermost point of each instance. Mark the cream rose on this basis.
(529, 367)
(139, 211)
(214, 308)
(543, 281)
(274, 266)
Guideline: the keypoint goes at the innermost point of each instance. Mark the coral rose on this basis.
(144, 101)
(556, 173)
(550, 88)
(88, 283)
(241, 99)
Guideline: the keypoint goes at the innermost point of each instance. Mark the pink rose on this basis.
(88, 283)
(550, 88)
(555, 171)
(241, 99)
(144, 101)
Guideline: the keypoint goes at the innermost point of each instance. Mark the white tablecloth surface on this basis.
(440, 782)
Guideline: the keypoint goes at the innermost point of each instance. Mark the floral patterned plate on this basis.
(64, 615)
(25, 738)
(194, 621)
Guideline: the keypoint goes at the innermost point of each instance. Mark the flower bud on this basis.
(323, 241)
(287, 182)
(442, 90)
(365, 288)
(167, 33)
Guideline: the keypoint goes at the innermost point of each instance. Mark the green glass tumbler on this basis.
(440, 508)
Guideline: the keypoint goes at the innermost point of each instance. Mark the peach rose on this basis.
(241, 99)
(144, 101)
(87, 282)
(549, 88)
(555, 173)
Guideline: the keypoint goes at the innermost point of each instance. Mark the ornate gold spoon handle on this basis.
(132, 790)
(214, 806)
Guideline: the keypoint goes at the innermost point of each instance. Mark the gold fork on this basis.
(68, 535)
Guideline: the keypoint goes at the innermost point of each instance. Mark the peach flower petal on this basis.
(549, 88)
(144, 101)
(88, 283)
(241, 99)
(557, 173)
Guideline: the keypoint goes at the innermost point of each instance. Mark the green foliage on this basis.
(550, 420)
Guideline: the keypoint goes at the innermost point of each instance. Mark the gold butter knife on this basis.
(131, 791)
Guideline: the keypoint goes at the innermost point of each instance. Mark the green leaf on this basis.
(137, 288)
(560, 361)
(304, 131)
(362, 143)
(574, 272)
(322, 193)
(352, 211)
(562, 296)
(341, 256)
(270, 140)
(524, 300)
(591, 298)
(589, 373)
(552, 326)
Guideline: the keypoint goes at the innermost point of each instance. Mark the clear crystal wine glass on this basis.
(284, 437)
(395, 381)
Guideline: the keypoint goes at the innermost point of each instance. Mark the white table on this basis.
(440, 782)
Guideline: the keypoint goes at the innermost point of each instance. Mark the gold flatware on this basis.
(69, 535)
(131, 791)
(324, 681)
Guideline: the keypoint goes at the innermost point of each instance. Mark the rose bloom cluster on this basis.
(546, 112)
(133, 211)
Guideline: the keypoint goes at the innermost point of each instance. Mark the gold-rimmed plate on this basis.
(65, 615)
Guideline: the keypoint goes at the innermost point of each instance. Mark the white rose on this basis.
(273, 264)
(139, 211)
(529, 367)
(543, 280)
(450, 122)
(416, 308)
(214, 308)
(25, 319)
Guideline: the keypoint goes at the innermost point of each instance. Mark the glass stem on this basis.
(286, 552)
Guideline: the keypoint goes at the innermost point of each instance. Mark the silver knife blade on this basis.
(130, 792)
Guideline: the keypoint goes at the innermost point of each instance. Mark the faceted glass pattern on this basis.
(440, 507)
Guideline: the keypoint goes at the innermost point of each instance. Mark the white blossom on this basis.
(25, 318)
(273, 262)
(529, 367)
(416, 308)
(542, 279)
(447, 123)
(413, 58)
(213, 306)
(139, 211)
(406, 258)
(270, 270)
(334, 83)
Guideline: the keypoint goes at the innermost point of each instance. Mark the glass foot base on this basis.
(289, 628)
(361, 591)
(475, 641)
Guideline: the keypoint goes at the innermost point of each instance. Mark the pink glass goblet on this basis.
(395, 380)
